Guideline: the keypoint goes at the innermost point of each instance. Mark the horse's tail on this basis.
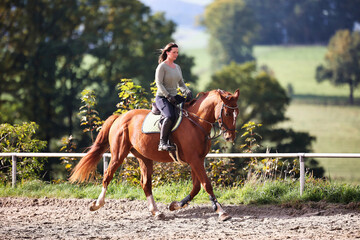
(88, 163)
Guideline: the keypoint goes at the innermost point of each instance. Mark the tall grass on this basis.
(253, 192)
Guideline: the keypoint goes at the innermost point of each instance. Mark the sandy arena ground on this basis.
(24, 218)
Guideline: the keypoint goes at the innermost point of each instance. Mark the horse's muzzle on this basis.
(229, 137)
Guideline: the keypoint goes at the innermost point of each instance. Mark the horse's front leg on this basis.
(199, 169)
(223, 216)
(185, 202)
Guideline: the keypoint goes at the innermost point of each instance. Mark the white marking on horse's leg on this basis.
(223, 216)
(219, 209)
(153, 208)
(152, 205)
(100, 201)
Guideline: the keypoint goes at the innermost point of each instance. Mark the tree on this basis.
(262, 97)
(262, 100)
(342, 65)
(232, 28)
(52, 49)
(303, 22)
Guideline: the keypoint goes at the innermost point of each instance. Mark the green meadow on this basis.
(317, 108)
(337, 130)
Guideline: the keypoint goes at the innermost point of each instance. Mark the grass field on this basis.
(295, 65)
(336, 127)
(337, 130)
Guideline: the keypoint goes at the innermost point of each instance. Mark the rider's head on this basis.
(164, 51)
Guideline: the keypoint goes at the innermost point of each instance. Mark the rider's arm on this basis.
(183, 88)
(159, 80)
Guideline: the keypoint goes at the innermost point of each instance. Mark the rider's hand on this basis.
(171, 99)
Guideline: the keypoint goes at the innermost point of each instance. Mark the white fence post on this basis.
(302, 172)
(13, 158)
(106, 157)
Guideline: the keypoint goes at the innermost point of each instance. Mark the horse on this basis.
(122, 134)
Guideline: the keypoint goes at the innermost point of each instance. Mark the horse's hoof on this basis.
(224, 217)
(159, 216)
(94, 207)
(174, 206)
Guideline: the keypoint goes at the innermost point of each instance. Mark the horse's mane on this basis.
(198, 97)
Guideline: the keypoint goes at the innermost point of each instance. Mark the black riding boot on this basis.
(164, 136)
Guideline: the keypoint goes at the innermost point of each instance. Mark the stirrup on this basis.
(166, 147)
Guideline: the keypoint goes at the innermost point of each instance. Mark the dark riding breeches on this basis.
(167, 109)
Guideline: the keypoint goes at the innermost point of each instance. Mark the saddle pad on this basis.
(151, 123)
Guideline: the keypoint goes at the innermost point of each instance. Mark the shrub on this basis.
(89, 116)
(20, 138)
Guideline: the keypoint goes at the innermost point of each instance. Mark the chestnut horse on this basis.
(123, 134)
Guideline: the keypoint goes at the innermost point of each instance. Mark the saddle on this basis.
(154, 119)
(152, 124)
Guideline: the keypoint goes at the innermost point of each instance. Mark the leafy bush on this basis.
(89, 116)
(131, 96)
(69, 146)
(163, 173)
(20, 138)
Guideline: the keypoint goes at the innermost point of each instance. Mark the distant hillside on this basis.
(181, 12)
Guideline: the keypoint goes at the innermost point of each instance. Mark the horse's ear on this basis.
(200, 94)
(236, 93)
(223, 95)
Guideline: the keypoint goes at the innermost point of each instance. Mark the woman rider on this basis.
(168, 78)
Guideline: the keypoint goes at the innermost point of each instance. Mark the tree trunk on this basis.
(351, 97)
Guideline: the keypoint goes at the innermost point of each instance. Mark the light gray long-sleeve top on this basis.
(168, 79)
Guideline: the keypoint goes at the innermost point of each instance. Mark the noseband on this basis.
(220, 118)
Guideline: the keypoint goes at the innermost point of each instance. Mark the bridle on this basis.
(213, 126)
(220, 118)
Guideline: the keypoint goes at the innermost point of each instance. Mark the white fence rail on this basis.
(106, 156)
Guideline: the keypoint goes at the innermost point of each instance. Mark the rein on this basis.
(207, 136)
(219, 120)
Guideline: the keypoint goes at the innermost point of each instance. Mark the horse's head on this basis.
(226, 113)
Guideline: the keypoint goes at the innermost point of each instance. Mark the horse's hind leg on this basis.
(146, 167)
(119, 149)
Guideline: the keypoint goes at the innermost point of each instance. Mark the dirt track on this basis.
(24, 218)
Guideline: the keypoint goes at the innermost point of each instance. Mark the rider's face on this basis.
(173, 54)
